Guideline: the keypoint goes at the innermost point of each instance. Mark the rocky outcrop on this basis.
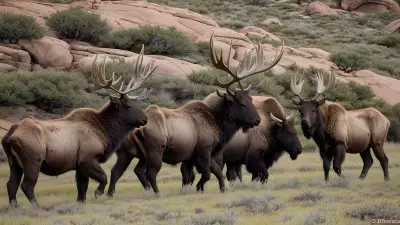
(48, 51)
(394, 26)
(319, 8)
(122, 14)
(270, 21)
(256, 31)
(374, 6)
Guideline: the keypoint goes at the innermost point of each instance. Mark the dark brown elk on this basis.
(336, 130)
(79, 141)
(195, 132)
(263, 145)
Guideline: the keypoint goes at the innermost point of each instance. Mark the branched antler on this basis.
(296, 85)
(140, 74)
(321, 88)
(244, 70)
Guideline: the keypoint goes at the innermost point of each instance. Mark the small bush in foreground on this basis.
(157, 40)
(315, 218)
(390, 40)
(255, 204)
(291, 183)
(226, 218)
(375, 211)
(48, 89)
(77, 24)
(14, 27)
(308, 196)
(349, 61)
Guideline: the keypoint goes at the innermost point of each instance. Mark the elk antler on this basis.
(321, 88)
(243, 69)
(296, 85)
(140, 74)
(275, 118)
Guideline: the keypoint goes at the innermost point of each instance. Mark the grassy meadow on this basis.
(295, 194)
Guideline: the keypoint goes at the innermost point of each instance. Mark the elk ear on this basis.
(115, 101)
(321, 102)
(296, 102)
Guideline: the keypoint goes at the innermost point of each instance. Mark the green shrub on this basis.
(77, 24)
(390, 40)
(49, 90)
(14, 27)
(349, 61)
(157, 40)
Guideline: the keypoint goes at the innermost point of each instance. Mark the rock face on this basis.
(394, 26)
(256, 31)
(319, 8)
(270, 21)
(370, 5)
(121, 14)
(48, 51)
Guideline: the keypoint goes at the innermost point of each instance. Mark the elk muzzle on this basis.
(305, 123)
(294, 155)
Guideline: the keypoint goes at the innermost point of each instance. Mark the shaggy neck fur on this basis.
(223, 119)
(274, 152)
(319, 132)
(113, 130)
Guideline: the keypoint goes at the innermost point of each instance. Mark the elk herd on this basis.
(227, 127)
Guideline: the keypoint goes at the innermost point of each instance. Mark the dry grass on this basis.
(290, 197)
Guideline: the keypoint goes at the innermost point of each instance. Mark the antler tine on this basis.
(259, 64)
(296, 85)
(289, 117)
(321, 88)
(275, 118)
(218, 63)
(98, 75)
(140, 74)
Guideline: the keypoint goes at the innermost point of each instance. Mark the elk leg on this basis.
(31, 174)
(140, 171)
(338, 159)
(122, 163)
(230, 172)
(326, 162)
(91, 168)
(367, 160)
(216, 170)
(238, 170)
(187, 173)
(383, 159)
(152, 169)
(14, 181)
(82, 183)
(203, 165)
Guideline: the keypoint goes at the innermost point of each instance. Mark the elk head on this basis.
(310, 118)
(286, 136)
(124, 106)
(238, 102)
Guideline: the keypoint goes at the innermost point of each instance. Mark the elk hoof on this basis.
(110, 194)
(361, 177)
(223, 189)
(14, 204)
(387, 179)
(98, 193)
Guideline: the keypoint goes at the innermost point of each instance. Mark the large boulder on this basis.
(394, 26)
(370, 5)
(256, 31)
(15, 54)
(123, 14)
(48, 51)
(319, 8)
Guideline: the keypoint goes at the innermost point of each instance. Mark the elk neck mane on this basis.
(333, 122)
(105, 122)
(222, 119)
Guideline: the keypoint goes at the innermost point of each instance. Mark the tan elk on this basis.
(195, 132)
(79, 141)
(336, 130)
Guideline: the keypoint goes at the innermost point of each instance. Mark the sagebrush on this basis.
(15, 27)
(78, 24)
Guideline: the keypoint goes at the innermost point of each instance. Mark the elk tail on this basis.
(6, 143)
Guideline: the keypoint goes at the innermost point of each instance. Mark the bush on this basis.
(14, 27)
(77, 24)
(349, 61)
(157, 40)
(226, 218)
(49, 90)
(255, 204)
(308, 196)
(315, 218)
(390, 40)
(375, 211)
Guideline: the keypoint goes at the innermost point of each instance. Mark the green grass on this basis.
(292, 195)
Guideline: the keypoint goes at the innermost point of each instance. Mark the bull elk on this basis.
(195, 132)
(79, 141)
(264, 144)
(336, 130)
